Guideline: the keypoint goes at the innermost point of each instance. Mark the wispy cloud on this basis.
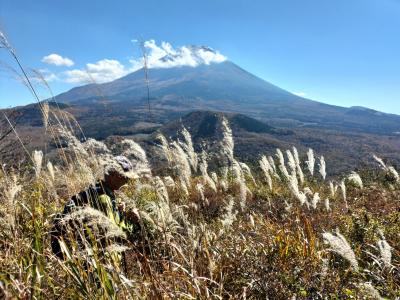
(158, 56)
(102, 71)
(38, 76)
(48, 75)
(57, 60)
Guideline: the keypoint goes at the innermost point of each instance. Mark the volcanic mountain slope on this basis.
(221, 86)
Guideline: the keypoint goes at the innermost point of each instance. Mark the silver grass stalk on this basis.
(243, 191)
(116, 248)
(380, 161)
(322, 167)
(160, 188)
(184, 186)
(237, 171)
(355, 179)
(302, 198)
(272, 163)
(385, 250)
(288, 206)
(4, 42)
(308, 191)
(181, 161)
(291, 161)
(45, 114)
(214, 177)
(267, 169)
(343, 189)
(315, 200)
(251, 220)
(223, 184)
(294, 188)
(204, 172)
(394, 173)
(310, 161)
(327, 205)
(227, 144)
(333, 189)
(265, 165)
(126, 282)
(187, 146)
(389, 169)
(247, 171)
(37, 157)
(224, 172)
(230, 216)
(50, 169)
(164, 147)
(339, 245)
(282, 166)
(239, 176)
(13, 188)
(7, 208)
(200, 191)
(298, 167)
(182, 218)
(293, 185)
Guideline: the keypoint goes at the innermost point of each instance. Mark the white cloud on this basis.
(102, 71)
(300, 94)
(43, 74)
(165, 56)
(158, 56)
(57, 60)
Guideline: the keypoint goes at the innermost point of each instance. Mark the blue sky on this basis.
(343, 52)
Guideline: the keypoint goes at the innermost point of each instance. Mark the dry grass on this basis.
(183, 246)
(195, 235)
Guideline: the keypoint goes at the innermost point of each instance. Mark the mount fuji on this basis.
(200, 78)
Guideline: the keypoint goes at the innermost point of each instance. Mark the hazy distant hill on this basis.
(343, 151)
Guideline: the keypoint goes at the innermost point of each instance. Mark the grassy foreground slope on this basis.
(280, 230)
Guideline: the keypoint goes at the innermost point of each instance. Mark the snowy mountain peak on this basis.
(165, 56)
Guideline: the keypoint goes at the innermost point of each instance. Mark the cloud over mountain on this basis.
(158, 56)
(165, 56)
